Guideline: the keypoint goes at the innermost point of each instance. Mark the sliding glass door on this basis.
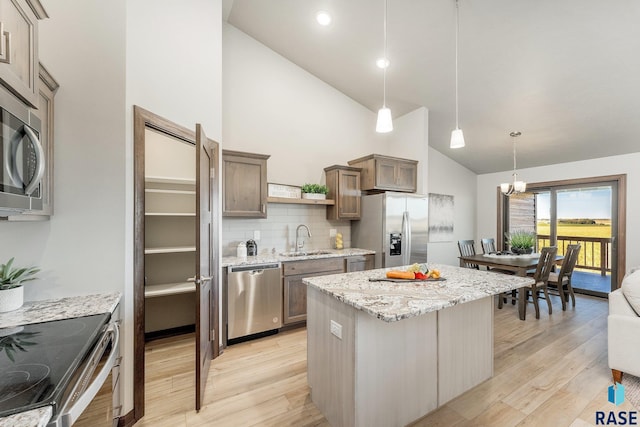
(584, 213)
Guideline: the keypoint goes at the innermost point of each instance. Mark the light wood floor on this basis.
(547, 372)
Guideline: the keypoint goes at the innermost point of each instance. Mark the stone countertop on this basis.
(45, 311)
(61, 308)
(393, 301)
(232, 261)
(34, 418)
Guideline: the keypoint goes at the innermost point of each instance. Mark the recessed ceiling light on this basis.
(382, 63)
(323, 18)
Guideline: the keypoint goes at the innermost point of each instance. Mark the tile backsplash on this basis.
(278, 230)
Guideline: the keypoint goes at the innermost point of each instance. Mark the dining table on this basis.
(518, 264)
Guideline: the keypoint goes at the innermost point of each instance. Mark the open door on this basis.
(205, 254)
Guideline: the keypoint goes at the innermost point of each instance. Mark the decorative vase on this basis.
(11, 299)
(315, 196)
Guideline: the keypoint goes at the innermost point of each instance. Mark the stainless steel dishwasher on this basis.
(254, 299)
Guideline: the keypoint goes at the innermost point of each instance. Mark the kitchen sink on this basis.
(304, 253)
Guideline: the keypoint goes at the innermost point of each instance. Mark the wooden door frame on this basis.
(143, 119)
(621, 218)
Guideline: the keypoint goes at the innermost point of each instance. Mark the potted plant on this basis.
(315, 191)
(521, 241)
(11, 280)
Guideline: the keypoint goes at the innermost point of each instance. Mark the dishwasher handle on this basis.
(255, 268)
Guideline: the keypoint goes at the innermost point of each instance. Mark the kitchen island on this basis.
(388, 353)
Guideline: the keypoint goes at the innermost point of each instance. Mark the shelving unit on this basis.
(170, 233)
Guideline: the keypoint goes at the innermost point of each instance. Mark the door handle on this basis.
(199, 280)
(39, 157)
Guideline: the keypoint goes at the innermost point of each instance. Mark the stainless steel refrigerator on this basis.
(395, 225)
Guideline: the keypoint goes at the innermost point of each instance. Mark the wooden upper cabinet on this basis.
(344, 188)
(19, 67)
(244, 184)
(46, 92)
(387, 173)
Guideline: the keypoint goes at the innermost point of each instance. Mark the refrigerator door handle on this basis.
(406, 238)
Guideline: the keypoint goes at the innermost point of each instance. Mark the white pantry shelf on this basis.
(169, 250)
(169, 214)
(151, 291)
(169, 180)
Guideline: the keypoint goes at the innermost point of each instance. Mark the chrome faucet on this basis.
(300, 243)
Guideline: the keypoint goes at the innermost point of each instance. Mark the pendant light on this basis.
(457, 138)
(384, 123)
(517, 186)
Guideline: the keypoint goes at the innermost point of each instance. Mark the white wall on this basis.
(410, 140)
(449, 177)
(81, 249)
(272, 106)
(627, 164)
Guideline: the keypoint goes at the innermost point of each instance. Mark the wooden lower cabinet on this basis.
(359, 263)
(295, 296)
(295, 291)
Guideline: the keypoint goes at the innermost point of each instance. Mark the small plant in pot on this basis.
(11, 280)
(314, 191)
(521, 241)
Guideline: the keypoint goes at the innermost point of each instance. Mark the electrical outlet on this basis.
(256, 235)
(336, 329)
(332, 232)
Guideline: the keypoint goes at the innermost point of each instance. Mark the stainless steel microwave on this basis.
(22, 160)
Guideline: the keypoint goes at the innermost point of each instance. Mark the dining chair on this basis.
(561, 281)
(488, 245)
(541, 277)
(468, 248)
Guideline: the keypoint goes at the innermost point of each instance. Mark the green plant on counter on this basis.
(315, 189)
(12, 277)
(521, 239)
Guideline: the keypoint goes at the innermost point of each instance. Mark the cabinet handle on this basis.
(262, 208)
(5, 45)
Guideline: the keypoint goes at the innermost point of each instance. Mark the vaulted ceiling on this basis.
(566, 73)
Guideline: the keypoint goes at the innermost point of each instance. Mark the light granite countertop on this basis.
(45, 311)
(61, 308)
(393, 301)
(232, 261)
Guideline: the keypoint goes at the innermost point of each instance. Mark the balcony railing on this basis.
(595, 252)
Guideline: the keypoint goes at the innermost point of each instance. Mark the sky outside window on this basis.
(593, 203)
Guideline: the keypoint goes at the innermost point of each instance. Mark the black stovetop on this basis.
(37, 361)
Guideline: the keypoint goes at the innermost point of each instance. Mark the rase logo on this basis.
(621, 418)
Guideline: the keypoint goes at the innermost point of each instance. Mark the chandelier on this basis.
(517, 186)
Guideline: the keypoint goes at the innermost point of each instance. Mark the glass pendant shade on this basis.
(384, 123)
(457, 139)
(520, 186)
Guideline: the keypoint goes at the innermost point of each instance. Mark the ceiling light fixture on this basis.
(457, 138)
(384, 123)
(382, 63)
(323, 18)
(517, 186)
